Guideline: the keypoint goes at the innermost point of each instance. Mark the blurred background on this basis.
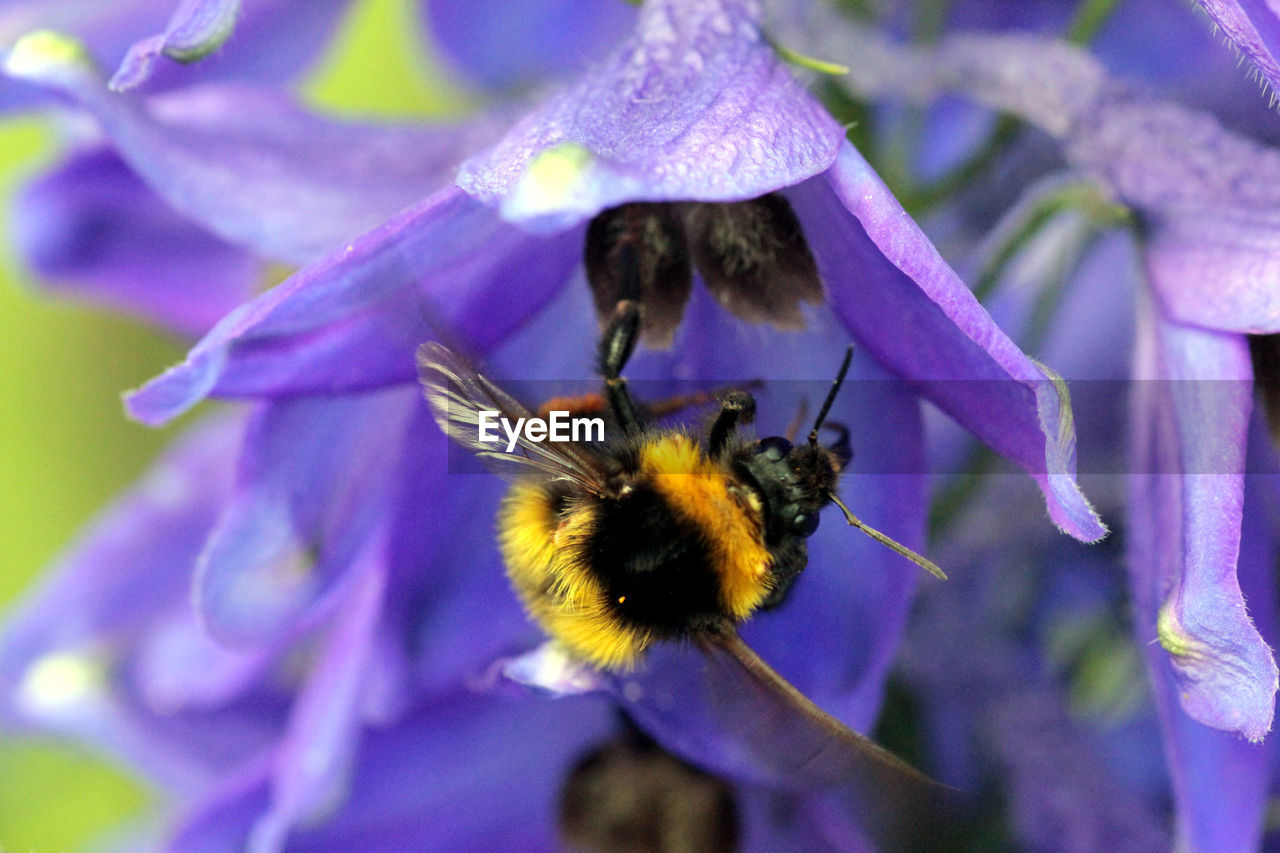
(65, 445)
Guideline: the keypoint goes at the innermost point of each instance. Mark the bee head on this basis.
(795, 482)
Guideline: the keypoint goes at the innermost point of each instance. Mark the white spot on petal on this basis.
(59, 682)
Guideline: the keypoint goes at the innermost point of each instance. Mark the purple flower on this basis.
(1204, 208)
(656, 129)
(339, 578)
(104, 222)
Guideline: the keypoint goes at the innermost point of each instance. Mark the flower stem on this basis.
(1088, 20)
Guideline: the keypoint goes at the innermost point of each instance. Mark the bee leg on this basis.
(616, 346)
(735, 407)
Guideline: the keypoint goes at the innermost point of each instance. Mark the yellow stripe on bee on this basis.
(545, 556)
(698, 489)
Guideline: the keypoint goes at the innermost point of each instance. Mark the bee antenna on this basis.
(923, 562)
(831, 396)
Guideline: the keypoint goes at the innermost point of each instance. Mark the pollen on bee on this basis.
(622, 599)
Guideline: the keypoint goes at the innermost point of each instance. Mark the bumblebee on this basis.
(659, 535)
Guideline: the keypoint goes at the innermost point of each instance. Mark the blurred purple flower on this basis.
(89, 227)
(274, 40)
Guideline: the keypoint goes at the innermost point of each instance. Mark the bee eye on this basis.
(774, 448)
(804, 524)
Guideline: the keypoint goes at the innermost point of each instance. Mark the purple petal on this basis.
(1220, 781)
(447, 569)
(694, 105)
(273, 40)
(1253, 27)
(179, 667)
(510, 46)
(1185, 502)
(220, 821)
(353, 320)
(470, 774)
(313, 760)
(99, 234)
(197, 28)
(316, 479)
(912, 313)
(252, 166)
(1206, 197)
(477, 773)
(1210, 202)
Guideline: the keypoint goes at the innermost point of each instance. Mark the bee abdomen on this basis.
(655, 565)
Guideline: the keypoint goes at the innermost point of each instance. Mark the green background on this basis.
(65, 445)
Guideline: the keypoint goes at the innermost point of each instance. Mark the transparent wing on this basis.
(725, 709)
(458, 394)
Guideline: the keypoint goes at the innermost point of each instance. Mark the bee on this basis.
(658, 535)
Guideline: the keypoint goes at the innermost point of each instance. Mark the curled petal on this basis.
(197, 28)
(272, 40)
(1220, 781)
(1186, 494)
(694, 105)
(901, 301)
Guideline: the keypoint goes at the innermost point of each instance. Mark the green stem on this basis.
(854, 114)
(1089, 17)
(923, 198)
(1083, 197)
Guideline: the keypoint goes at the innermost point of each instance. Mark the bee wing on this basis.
(457, 394)
(768, 732)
